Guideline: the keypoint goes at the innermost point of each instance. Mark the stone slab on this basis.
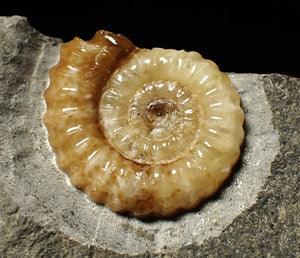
(42, 214)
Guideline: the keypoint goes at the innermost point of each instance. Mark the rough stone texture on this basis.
(41, 213)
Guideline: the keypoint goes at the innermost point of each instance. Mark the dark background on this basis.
(248, 38)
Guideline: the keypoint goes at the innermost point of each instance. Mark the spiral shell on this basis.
(146, 132)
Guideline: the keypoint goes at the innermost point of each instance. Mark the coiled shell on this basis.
(146, 132)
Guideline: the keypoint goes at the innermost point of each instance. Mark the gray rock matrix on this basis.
(256, 214)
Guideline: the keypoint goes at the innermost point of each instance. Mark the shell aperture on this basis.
(146, 132)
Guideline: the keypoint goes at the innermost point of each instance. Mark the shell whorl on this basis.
(147, 132)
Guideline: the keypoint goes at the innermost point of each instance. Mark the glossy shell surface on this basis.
(145, 132)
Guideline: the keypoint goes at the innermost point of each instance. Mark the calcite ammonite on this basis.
(144, 132)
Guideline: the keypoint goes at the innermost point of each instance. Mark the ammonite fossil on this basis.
(145, 132)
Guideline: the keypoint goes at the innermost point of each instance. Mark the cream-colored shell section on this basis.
(146, 132)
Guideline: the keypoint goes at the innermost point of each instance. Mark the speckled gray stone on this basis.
(255, 214)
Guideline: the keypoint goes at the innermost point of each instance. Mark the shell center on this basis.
(162, 115)
(155, 122)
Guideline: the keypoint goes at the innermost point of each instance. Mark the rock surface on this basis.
(256, 214)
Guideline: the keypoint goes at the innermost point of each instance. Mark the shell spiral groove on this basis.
(146, 132)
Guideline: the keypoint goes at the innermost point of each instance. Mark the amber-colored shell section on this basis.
(145, 132)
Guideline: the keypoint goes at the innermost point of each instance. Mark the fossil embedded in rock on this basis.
(146, 132)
